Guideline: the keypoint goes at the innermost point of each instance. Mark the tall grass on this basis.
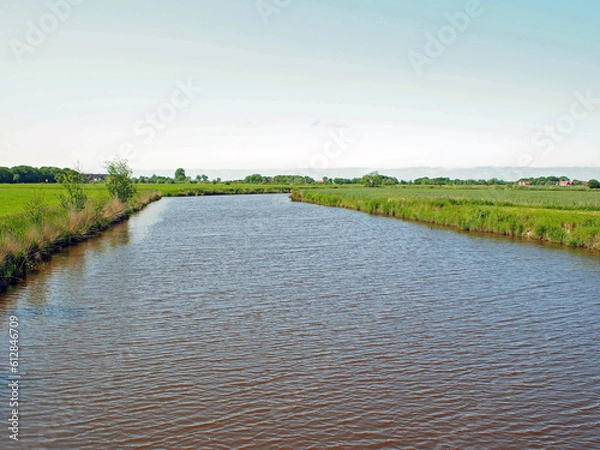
(574, 228)
(31, 237)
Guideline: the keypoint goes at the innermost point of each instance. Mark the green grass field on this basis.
(566, 215)
(572, 198)
(32, 223)
(14, 197)
(560, 215)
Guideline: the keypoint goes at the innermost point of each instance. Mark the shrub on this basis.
(119, 183)
(72, 181)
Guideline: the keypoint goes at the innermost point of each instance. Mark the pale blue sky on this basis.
(277, 87)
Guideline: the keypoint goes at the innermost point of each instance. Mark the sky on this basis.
(295, 84)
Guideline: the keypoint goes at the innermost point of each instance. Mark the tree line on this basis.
(550, 181)
(28, 174)
(372, 179)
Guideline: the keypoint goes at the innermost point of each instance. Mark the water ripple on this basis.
(256, 323)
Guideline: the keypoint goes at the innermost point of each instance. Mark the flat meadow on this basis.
(33, 224)
(14, 198)
(563, 215)
(554, 197)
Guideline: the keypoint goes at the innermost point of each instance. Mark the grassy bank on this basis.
(564, 216)
(14, 197)
(33, 226)
(31, 236)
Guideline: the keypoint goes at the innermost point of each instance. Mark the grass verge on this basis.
(33, 226)
(570, 227)
(30, 238)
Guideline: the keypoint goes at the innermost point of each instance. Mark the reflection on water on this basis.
(254, 322)
(68, 265)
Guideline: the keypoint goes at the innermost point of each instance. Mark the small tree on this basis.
(180, 175)
(594, 184)
(372, 179)
(72, 181)
(254, 178)
(119, 183)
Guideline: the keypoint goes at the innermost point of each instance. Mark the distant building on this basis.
(585, 183)
(95, 177)
(524, 183)
(566, 183)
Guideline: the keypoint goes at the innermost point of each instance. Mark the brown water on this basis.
(255, 323)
